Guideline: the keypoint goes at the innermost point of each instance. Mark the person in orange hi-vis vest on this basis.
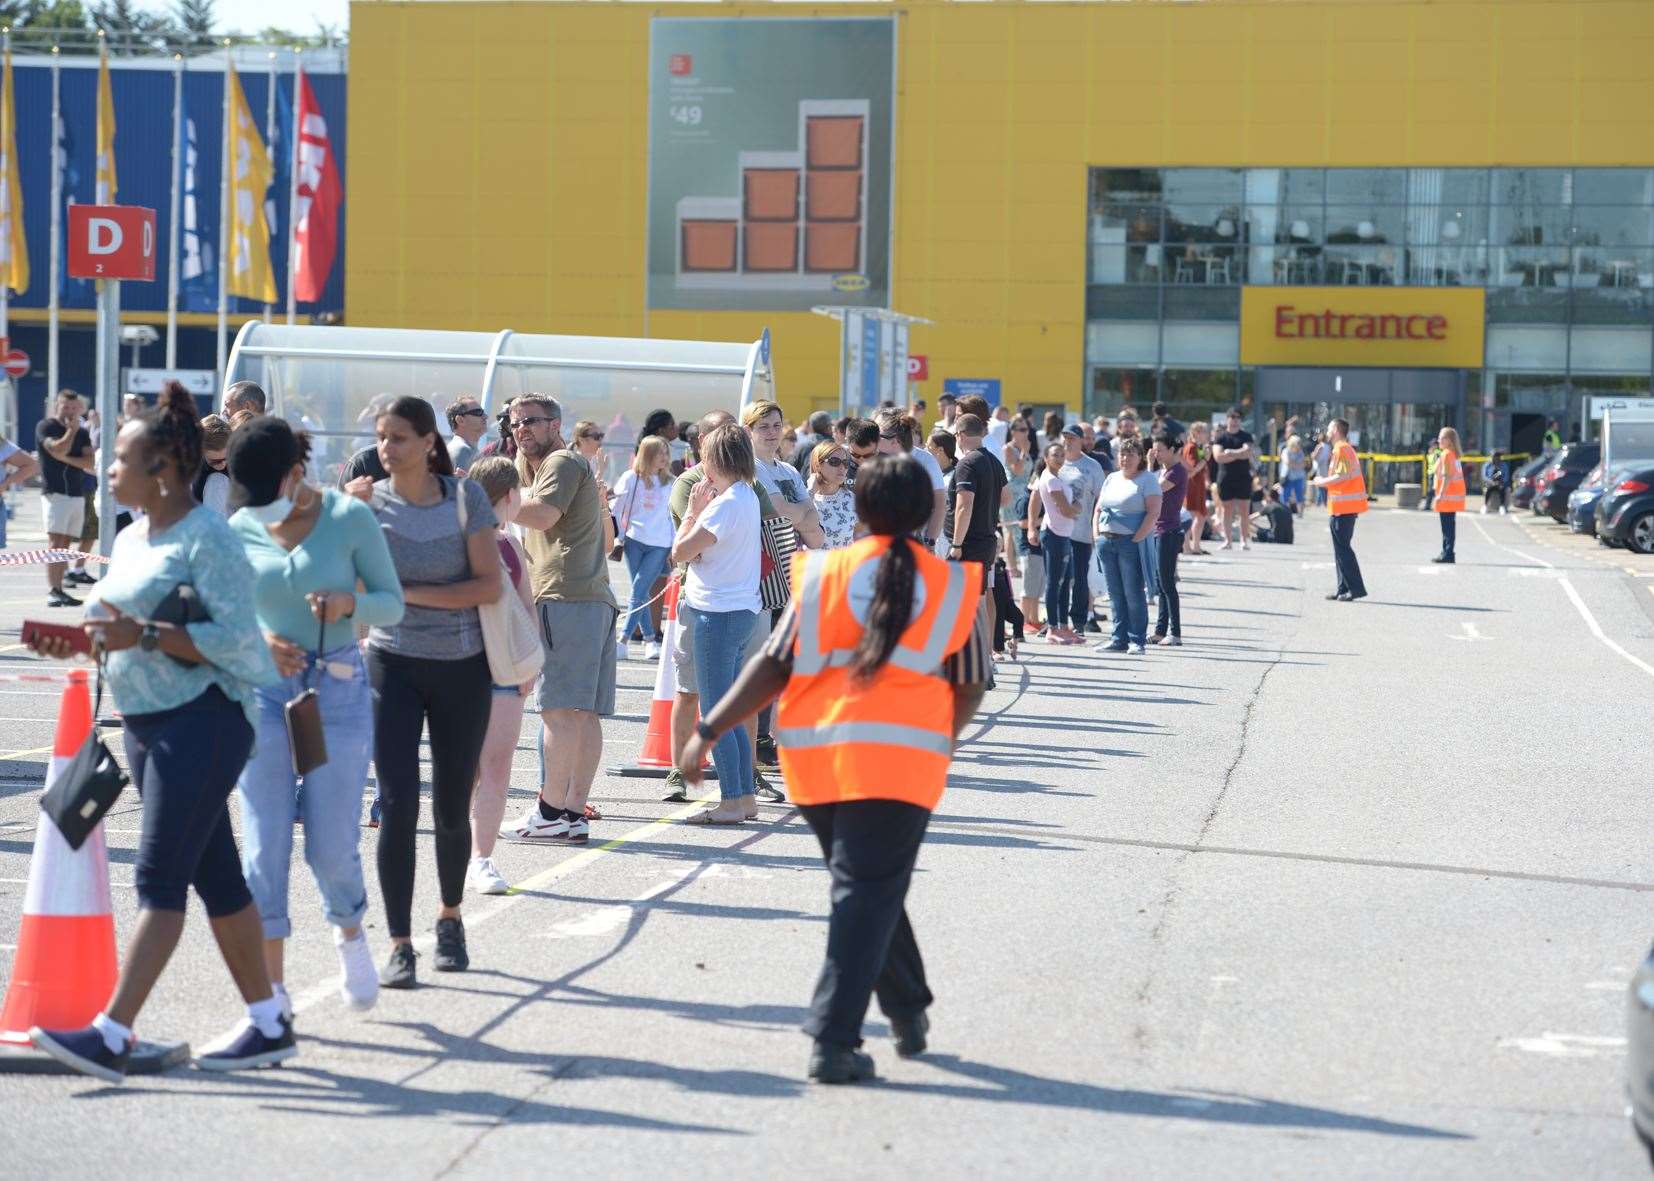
(879, 662)
(1449, 491)
(1346, 500)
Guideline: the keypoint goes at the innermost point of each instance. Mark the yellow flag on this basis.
(247, 236)
(14, 248)
(106, 133)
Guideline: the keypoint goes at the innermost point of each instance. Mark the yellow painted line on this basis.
(18, 754)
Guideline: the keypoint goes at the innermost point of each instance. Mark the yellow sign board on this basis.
(1388, 327)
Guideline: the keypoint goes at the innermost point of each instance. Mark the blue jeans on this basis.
(331, 801)
(1123, 568)
(1148, 554)
(1059, 557)
(645, 563)
(720, 639)
(1079, 592)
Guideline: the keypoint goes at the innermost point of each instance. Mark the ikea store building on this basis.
(1412, 213)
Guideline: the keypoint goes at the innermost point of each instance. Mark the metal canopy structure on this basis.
(333, 379)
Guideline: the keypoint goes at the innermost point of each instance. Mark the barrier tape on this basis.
(43, 557)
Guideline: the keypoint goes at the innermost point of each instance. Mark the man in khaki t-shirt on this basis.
(567, 531)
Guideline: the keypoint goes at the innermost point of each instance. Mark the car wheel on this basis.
(1639, 534)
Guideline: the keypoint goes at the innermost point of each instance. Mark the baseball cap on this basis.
(1073, 428)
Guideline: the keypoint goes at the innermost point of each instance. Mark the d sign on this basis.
(111, 242)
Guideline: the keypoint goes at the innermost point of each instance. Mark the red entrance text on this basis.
(1291, 324)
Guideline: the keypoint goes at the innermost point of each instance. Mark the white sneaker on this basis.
(359, 986)
(651, 650)
(485, 878)
(1136, 650)
(620, 651)
(531, 826)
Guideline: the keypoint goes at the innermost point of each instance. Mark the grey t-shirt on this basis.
(1082, 480)
(428, 549)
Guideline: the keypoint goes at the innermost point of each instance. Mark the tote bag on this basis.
(510, 635)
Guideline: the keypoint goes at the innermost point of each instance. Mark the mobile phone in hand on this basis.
(71, 633)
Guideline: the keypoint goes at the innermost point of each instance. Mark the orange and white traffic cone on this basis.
(64, 969)
(655, 759)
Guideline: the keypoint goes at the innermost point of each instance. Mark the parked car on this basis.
(1567, 472)
(1639, 1065)
(1521, 486)
(1582, 503)
(1625, 515)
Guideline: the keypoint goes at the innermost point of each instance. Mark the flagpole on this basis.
(293, 188)
(52, 299)
(224, 165)
(270, 128)
(6, 165)
(172, 218)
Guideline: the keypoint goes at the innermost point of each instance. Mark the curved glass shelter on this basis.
(333, 378)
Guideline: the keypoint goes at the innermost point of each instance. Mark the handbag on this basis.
(88, 785)
(618, 549)
(306, 740)
(780, 543)
(510, 636)
(179, 607)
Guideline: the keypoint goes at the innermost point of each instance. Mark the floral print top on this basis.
(838, 515)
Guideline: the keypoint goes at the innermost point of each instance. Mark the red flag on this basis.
(317, 214)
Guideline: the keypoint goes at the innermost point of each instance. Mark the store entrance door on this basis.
(1389, 410)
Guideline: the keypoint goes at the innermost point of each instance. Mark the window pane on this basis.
(1613, 285)
(1203, 204)
(1131, 185)
(1366, 186)
(1465, 189)
(1530, 225)
(1623, 225)
(1204, 264)
(1122, 303)
(1530, 186)
(1614, 186)
(1126, 264)
(1202, 303)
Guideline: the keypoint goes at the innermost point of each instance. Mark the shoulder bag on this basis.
(510, 636)
(88, 785)
(780, 543)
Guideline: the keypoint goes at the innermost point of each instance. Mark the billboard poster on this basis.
(770, 162)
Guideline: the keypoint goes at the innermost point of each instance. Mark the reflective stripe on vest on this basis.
(880, 733)
(811, 658)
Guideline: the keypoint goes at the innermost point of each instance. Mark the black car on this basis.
(1521, 487)
(1639, 1069)
(1625, 514)
(1568, 470)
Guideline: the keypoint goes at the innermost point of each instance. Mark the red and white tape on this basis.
(42, 557)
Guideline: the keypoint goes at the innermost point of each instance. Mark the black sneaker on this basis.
(839, 1064)
(910, 1034)
(766, 751)
(249, 1048)
(83, 1050)
(62, 598)
(80, 578)
(766, 791)
(398, 971)
(451, 955)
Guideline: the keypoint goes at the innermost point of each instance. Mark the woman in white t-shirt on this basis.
(640, 503)
(1049, 504)
(720, 540)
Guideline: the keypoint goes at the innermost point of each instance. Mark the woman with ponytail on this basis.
(878, 662)
(187, 694)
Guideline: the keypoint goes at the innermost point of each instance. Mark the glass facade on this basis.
(1565, 256)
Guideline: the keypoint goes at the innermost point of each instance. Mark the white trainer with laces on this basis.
(531, 826)
(651, 650)
(486, 878)
(359, 986)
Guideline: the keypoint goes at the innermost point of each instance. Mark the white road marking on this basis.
(1605, 986)
(1472, 633)
(1323, 566)
(8, 947)
(1534, 571)
(1573, 597)
(1431, 570)
(1565, 1045)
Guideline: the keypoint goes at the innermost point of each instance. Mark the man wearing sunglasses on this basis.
(469, 422)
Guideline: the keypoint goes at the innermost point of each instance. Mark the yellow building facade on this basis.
(498, 169)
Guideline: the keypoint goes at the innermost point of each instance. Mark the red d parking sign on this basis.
(111, 242)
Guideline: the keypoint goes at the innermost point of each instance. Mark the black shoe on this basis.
(83, 1050)
(839, 1064)
(766, 751)
(1352, 598)
(80, 578)
(250, 1049)
(1095, 623)
(1444, 559)
(398, 971)
(1340, 597)
(767, 791)
(910, 1035)
(451, 955)
(61, 598)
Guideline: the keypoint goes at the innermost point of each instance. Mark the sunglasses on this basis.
(475, 412)
(835, 461)
(594, 436)
(535, 421)
(863, 456)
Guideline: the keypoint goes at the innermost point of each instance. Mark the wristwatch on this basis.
(956, 546)
(149, 638)
(707, 733)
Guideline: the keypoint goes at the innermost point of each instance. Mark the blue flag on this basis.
(71, 292)
(198, 237)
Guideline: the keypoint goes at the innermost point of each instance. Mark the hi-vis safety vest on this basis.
(1348, 495)
(1450, 484)
(889, 737)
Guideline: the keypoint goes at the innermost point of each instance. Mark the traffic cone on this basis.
(64, 969)
(655, 759)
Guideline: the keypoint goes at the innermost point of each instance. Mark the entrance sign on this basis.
(111, 242)
(986, 388)
(1385, 327)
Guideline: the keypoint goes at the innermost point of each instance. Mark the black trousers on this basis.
(1343, 556)
(454, 698)
(1006, 611)
(1450, 532)
(1170, 615)
(870, 847)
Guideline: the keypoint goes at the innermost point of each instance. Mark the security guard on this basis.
(1449, 491)
(879, 662)
(1553, 437)
(1346, 500)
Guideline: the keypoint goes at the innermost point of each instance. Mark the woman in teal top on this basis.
(321, 567)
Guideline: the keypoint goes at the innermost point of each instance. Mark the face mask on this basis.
(273, 513)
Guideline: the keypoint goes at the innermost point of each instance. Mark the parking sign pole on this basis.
(108, 402)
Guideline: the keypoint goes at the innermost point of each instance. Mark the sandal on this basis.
(704, 819)
(592, 813)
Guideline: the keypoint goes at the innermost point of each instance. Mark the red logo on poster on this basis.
(681, 64)
(111, 242)
(918, 367)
